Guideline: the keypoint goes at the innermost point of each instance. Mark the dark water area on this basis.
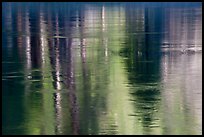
(101, 68)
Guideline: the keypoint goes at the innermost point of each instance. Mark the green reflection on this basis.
(143, 66)
(92, 69)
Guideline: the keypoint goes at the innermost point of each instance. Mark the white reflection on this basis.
(28, 46)
(83, 49)
(43, 36)
(27, 43)
(57, 65)
(182, 93)
(198, 29)
(58, 112)
(92, 20)
(103, 18)
(105, 39)
(184, 27)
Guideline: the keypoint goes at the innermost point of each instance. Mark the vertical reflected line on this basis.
(28, 46)
(198, 30)
(9, 22)
(70, 81)
(57, 60)
(57, 96)
(190, 29)
(72, 89)
(44, 48)
(179, 29)
(58, 108)
(103, 18)
(28, 50)
(88, 23)
(77, 19)
(58, 111)
(173, 29)
(171, 24)
(142, 39)
(57, 26)
(43, 44)
(82, 39)
(83, 54)
(165, 28)
(191, 36)
(169, 38)
(42, 37)
(26, 43)
(83, 50)
(19, 31)
(57, 67)
(105, 40)
(184, 30)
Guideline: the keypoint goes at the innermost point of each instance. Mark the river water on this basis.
(101, 68)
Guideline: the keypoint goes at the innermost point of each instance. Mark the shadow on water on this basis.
(142, 56)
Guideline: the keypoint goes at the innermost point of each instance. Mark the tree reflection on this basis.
(184, 30)
(143, 64)
(181, 91)
(68, 67)
(91, 97)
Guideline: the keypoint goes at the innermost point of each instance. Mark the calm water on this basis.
(101, 68)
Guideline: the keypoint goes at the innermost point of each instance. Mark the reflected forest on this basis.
(85, 68)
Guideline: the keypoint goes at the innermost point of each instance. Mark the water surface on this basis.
(101, 68)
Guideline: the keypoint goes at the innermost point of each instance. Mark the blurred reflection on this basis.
(8, 29)
(98, 69)
(8, 46)
(184, 27)
(143, 65)
(90, 96)
(57, 58)
(57, 84)
(181, 73)
(181, 96)
(20, 31)
(28, 64)
(28, 44)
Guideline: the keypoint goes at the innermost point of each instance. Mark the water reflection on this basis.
(184, 30)
(101, 69)
(28, 44)
(143, 66)
(182, 94)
